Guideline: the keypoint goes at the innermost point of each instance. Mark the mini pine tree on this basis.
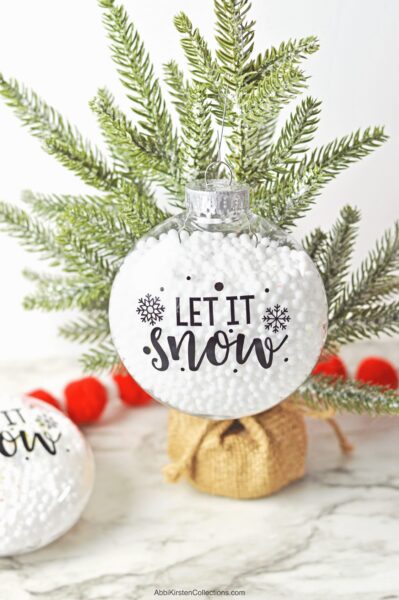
(86, 236)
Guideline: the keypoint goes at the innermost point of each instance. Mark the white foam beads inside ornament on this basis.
(46, 474)
(216, 324)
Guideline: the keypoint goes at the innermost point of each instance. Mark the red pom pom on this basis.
(129, 390)
(45, 397)
(85, 400)
(377, 371)
(331, 367)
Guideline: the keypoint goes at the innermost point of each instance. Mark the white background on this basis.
(60, 49)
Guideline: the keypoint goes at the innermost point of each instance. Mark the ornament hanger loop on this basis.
(219, 138)
(218, 162)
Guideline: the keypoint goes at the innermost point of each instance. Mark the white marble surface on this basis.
(335, 534)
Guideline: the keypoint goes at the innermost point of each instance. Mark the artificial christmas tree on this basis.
(87, 236)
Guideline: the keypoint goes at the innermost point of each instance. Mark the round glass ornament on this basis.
(217, 312)
(46, 474)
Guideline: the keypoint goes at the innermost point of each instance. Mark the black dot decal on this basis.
(146, 350)
(219, 286)
(182, 369)
(235, 370)
(162, 289)
(267, 290)
(286, 360)
(26, 457)
(230, 331)
(188, 277)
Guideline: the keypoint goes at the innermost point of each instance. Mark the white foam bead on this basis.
(140, 244)
(173, 234)
(244, 239)
(151, 242)
(184, 235)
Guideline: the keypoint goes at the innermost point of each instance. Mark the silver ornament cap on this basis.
(216, 198)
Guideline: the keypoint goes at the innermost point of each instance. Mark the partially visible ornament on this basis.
(217, 312)
(46, 474)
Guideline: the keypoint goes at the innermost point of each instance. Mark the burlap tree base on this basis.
(245, 458)
(242, 458)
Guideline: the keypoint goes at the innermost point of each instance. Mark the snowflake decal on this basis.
(150, 309)
(46, 422)
(276, 318)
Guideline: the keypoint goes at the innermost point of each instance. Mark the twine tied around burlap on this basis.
(249, 457)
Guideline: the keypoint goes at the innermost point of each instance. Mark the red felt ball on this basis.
(85, 400)
(377, 371)
(129, 390)
(45, 397)
(333, 366)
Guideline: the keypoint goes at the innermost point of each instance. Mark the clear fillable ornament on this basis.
(217, 312)
(46, 474)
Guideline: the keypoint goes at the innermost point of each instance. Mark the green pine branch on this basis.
(289, 196)
(58, 293)
(234, 34)
(58, 136)
(143, 216)
(197, 52)
(124, 216)
(32, 233)
(273, 92)
(82, 160)
(114, 237)
(364, 323)
(335, 260)
(198, 144)
(51, 206)
(295, 136)
(340, 153)
(134, 151)
(178, 87)
(272, 66)
(204, 66)
(291, 52)
(136, 74)
(93, 328)
(84, 256)
(102, 357)
(349, 396)
(376, 278)
(254, 125)
(361, 309)
(315, 244)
